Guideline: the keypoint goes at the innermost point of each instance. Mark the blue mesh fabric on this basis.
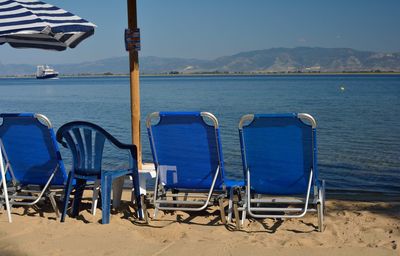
(187, 151)
(278, 153)
(32, 150)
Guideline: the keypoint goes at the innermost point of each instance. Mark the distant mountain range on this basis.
(300, 59)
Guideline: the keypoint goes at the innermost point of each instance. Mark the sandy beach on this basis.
(352, 228)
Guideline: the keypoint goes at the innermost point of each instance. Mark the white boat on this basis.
(45, 72)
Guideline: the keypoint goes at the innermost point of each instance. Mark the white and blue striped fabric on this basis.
(34, 24)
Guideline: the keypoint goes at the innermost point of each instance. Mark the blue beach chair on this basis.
(86, 142)
(32, 159)
(188, 158)
(279, 154)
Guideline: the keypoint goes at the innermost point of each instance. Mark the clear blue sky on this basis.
(208, 29)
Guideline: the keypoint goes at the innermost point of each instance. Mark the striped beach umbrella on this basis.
(35, 24)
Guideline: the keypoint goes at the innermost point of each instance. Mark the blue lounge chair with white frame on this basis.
(87, 142)
(32, 160)
(279, 155)
(187, 154)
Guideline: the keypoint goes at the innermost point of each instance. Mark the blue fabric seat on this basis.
(279, 155)
(188, 157)
(86, 142)
(33, 160)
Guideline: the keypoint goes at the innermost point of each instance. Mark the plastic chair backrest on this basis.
(31, 149)
(186, 149)
(86, 142)
(279, 152)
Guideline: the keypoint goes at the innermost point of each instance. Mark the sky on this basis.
(208, 29)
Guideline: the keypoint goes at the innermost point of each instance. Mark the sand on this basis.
(352, 228)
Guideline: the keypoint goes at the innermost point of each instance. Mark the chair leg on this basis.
(144, 208)
(136, 187)
(54, 204)
(230, 205)
(235, 208)
(243, 216)
(155, 211)
(320, 217)
(67, 192)
(5, 191)
(79, 188)
(106, 184)
(222, 210)
(155, 198)
(321, 207)
(95, 198)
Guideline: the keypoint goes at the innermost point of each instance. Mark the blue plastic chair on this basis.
(188, 158)
(279, 155)
(32, 159)
(86, 142)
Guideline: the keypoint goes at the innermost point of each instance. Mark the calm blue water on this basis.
(358, 128)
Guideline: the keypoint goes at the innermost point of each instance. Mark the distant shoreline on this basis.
(221, 74)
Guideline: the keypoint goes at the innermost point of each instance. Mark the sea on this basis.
(358, 123)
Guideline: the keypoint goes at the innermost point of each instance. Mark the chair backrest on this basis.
(86, 142)
(186, 149)
(279, 151)
(31, 148)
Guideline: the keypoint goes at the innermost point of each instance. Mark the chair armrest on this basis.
(132, 148)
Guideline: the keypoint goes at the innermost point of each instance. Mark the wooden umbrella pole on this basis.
(134, 84)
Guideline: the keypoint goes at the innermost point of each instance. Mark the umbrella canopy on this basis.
(34, 24)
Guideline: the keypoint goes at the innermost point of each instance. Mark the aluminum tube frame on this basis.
(4, 183)
(249, 208)
(37, 198)
(204, 206)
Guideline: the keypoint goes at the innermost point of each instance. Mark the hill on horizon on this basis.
(299, 59)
